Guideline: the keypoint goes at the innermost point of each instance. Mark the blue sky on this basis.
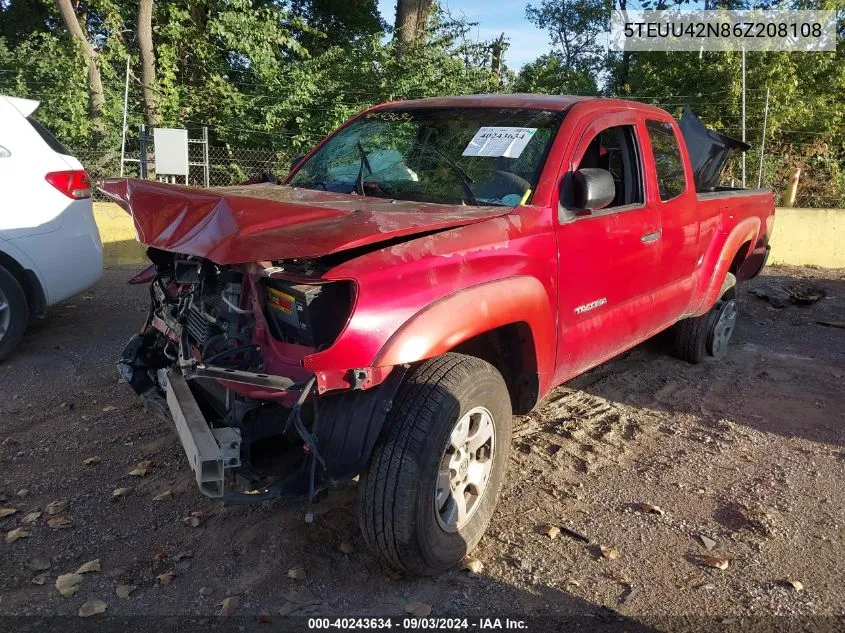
(527, 42)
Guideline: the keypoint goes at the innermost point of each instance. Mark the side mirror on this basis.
(296, 162)
(592, 189)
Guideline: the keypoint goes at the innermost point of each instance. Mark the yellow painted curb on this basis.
(118, 235)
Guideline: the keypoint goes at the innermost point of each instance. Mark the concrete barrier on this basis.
(801, 236)
(809, 236)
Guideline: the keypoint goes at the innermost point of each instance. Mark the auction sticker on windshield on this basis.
(499, 141)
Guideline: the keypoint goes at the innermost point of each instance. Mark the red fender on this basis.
(718, 260)
(452, 320)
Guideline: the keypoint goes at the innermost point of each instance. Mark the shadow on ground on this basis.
(779, 376)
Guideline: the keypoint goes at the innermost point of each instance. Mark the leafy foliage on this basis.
(279, 75)
(574, 27)
(255, 72)
(806, 117)
(550, 74)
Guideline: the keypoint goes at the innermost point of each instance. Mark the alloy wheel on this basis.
(465, 468)
(723, 328)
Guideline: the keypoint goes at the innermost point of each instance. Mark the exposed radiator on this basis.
(212, 392)
(199, 329)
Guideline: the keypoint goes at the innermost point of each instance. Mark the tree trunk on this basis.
(411, 21)
(148, 61)
(496, 54)
(95, 84)
(624, 70)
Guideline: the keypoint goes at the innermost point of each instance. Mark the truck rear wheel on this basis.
(13, 312)
(708, 334)
(436, 472)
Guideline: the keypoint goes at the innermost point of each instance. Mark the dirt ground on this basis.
(747, 452)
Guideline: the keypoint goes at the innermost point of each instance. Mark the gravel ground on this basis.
(747, 453)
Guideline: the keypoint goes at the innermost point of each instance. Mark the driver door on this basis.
(607, 258)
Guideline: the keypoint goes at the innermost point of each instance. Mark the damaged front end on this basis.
(221, 356)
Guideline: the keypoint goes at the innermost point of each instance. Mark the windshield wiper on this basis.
(466, 181)
(359, 182)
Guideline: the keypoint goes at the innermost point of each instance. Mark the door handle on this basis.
(650, 237)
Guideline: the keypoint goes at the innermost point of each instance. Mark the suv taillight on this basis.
(74, 183)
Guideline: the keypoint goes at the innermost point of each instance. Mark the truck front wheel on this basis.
(436, 472)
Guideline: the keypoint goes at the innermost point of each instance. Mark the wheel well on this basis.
(736, 265)
(510, 349)
(739, 258)
(29, 282)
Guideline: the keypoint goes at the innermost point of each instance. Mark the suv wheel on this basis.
(13, 312)
(436, 471)
(710, 333)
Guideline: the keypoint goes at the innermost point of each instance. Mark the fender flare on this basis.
(451, 320)
(719, 261)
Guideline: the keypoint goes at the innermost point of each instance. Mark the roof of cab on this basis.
(554, 103)
(529, 101)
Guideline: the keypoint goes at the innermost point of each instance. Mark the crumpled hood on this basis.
(248, 223)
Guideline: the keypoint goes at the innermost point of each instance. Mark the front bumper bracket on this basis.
(207, 459)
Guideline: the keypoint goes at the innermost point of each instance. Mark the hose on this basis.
(273, 492)
(296, 418)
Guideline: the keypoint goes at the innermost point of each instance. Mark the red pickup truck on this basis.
(427, 271)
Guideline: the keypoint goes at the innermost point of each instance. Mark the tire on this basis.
(696, 338)
(14, 312)
(398, 514)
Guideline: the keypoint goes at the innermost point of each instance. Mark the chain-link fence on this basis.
(821, 184)
(227, 165)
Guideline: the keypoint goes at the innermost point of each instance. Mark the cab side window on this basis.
(671, 180)
(615, 151)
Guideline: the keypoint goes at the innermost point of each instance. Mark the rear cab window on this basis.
(668, 164)
(48, 137)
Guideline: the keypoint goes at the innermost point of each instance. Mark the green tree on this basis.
(577, 57)
(336, 22)
(86, 49)
(549, 74)
(806, 120)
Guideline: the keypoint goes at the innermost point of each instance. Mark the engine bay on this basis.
(227, 330)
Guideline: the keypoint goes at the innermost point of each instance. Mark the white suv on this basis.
(50, 248)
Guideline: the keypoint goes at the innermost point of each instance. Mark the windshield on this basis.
(480, 156)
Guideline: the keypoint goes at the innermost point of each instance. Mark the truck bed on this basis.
(733, 205)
